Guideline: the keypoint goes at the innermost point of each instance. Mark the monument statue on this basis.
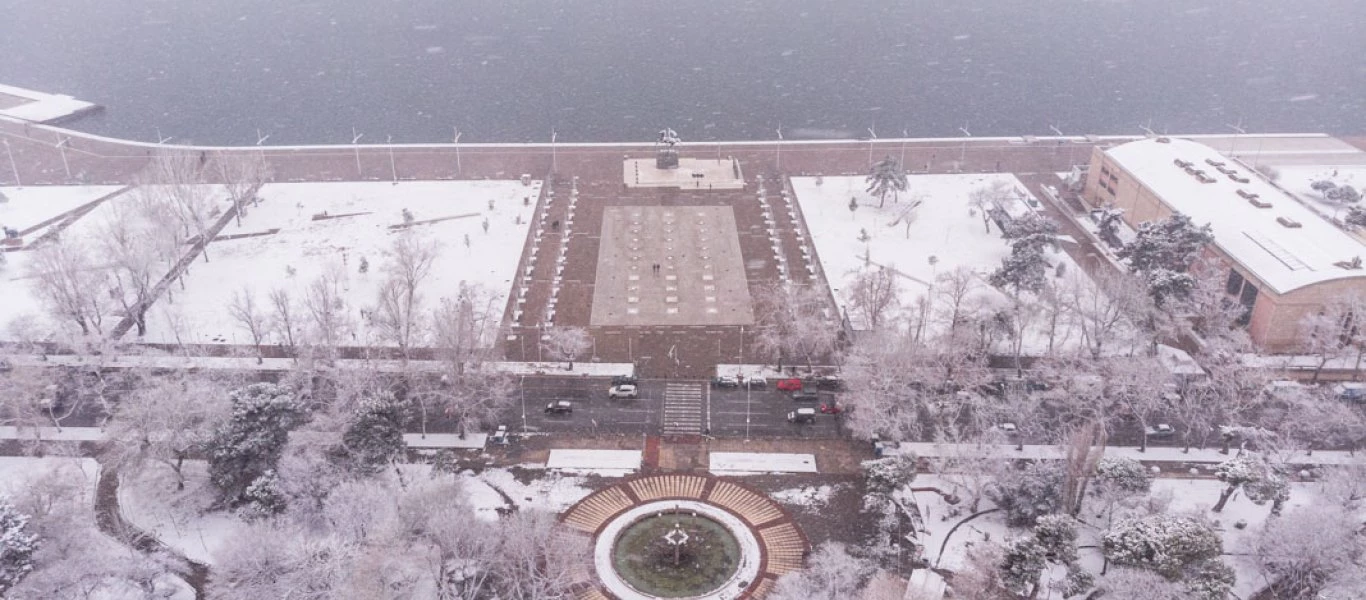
(666, 155)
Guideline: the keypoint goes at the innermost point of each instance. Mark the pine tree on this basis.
(886, 177)
(17, 545)
(250, 443)
(1162, 251)
(1029, 494)
(1026, 267)
(1170, 545)
(374, 436)
(1259, 481)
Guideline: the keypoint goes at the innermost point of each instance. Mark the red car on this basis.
(789, 385)
(833, 408)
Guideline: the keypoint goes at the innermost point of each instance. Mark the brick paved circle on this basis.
(782, 545)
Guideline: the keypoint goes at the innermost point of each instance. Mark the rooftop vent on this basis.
(1350, 265)
(1184, 164)
(1289, 222)
(1214, 163)
(1258, 202)
(1238, 178)
(1247, 194)
(1164, 140)
(1203, 178)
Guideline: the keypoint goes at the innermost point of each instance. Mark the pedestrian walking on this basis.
(555, 225)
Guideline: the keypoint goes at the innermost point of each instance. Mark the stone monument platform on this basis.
(691, 174)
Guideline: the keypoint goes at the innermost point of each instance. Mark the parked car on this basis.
(805, 397)
(500, 436)
(789, 385)
(725, 381)
(802, 415)
(624, 380)
(560, 407)
(832, 408)
(5, 365)
(1350, 391)
(829, 382)
(1161, 430)
(624, 391)
(756, 381)
(1008, 428)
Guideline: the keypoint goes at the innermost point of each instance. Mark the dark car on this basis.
(828, 382)
(559, 407)
(725, 381)
(805, 397)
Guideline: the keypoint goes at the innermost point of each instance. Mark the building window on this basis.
(1249, 296)
(1235, 283)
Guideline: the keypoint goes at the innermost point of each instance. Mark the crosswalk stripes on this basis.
(682, 409)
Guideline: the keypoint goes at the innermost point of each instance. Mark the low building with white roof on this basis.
(1283, 259)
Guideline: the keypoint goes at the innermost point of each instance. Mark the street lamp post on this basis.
(554, 166)
(780, 147)
(963, 156)
(61, 147)
(393, 168)
(1232, 145)
(522, 387)
(1070, 147)
(13, 165)
(355, 145)
(904, 134)
(456, 141)
(872, 135)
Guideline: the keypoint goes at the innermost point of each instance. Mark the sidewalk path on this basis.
(249, 363)
(1154, 454)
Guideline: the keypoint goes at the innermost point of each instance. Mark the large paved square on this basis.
(701, 277)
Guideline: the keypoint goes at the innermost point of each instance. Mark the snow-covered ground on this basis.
(551, 492)
(1171, 495)
(810, 496)
(304, 249)
(28, 206)
(608, 463)
(181, 520)
(751, 463)
(1297, 180)
(944, 233)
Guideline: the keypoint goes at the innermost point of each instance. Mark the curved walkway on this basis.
(782, 544)
(109, 519)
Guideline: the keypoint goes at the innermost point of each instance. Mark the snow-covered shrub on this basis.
(17, 545)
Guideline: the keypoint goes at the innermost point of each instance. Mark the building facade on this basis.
(1280, 258)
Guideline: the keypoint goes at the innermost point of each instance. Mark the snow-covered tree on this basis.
(325, 306)
(1053, 540)
(242, 174)
(1029, 493)
(1162, 253)
(71, 285)
(1116, 480)
(374, 436)
(831, 574)
(794, 321)
(249, 444)
(250, 317)
(1344, 194)
(1103, 308)
(399, 306)
(1356, 216)
(1259, 480)
(1179, 548)
(1309, 547)
(872, 295)
(567, 343)
(1323, 186)
(175, 180)
(164, 421)
(1139, 584)
(889, 474)
(17, 545)
(987, 200)
(1026, 268)
(464, 329)
(886, 177)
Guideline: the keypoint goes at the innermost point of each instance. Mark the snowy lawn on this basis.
(28, 206)
(752, 463)
(355, 222)
(180, 519)
(1297, 180)
(489, 492)
(608, 463)
(811, 497)
(930, 231)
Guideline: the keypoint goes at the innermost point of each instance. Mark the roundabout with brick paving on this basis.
(767, 542)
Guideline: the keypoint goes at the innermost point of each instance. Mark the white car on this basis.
(624, 390)
(1161, 430)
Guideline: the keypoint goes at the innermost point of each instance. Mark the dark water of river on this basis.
(216, 71)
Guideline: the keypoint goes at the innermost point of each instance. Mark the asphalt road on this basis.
(731, 413)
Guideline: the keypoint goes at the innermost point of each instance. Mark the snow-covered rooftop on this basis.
(1254, 235)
